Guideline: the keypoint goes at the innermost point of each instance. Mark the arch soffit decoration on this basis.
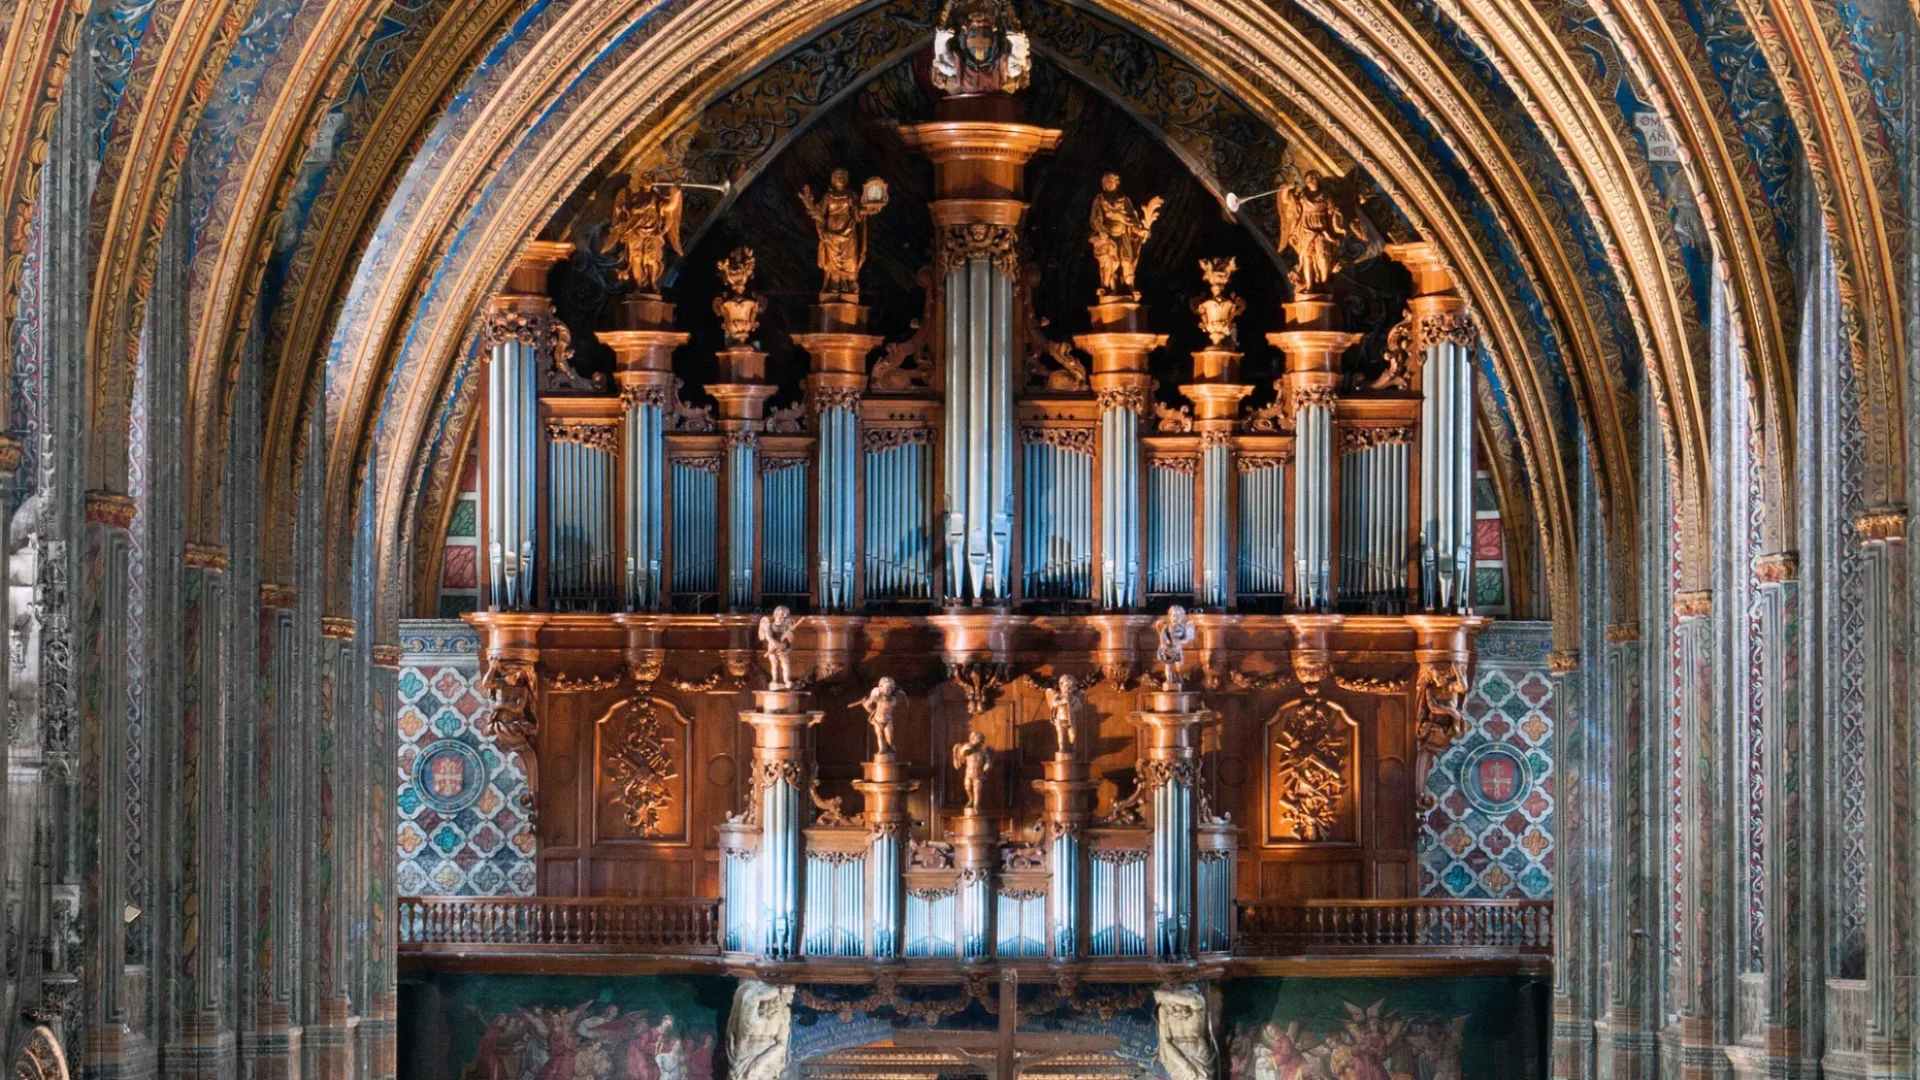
(1367, 135)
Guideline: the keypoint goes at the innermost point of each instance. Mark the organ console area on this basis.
(990, 652)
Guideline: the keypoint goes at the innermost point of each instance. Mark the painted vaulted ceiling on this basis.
(356, 175)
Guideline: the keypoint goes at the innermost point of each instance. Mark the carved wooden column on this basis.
(1216, 393)
(976, 851)
(643, 340)
(782, 770)
(884, 785)
(838, 346)
(523, 338)
(1069, 791)
(1308, 391)
(742, 397)
(1172, 721)
(980, 151)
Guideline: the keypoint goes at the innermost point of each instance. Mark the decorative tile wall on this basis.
(466, 826)
(1490, 833)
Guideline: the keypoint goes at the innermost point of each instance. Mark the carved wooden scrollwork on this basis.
(41, 1058)
(1313, 749)
(643, 766)
(1440, 691)
(998, 244)
(508, 720)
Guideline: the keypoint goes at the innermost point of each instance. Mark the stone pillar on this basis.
(1890, 888)
(330, 1039)
(275, 1041)
(1119, 346)
(1574, 894)
(643, 340)
(1701, 981)
(838, 346)
(102, 645)
(1172, 720)
(980, 151)
(1625, 1038)
(379, 1027)
(1216, 394)
(523, 339)
(1791, 936)
(742, 397)
(782, 771)
(1309, 391)
(884, 785)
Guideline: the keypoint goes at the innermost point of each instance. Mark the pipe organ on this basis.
(997, 543)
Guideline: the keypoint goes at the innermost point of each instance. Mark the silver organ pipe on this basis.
(646, 452)
(1057, 517)
(695, 536)
(1170, 532)
(1119, 507)
(899, 549)
(1263, 524)
(779, 868)
(839, 463)
(885, 859)
(783, 529)
(959, 418)
(742, 503)
(980, 431)
(1313, 426)
(512, 449)
(1446, 477)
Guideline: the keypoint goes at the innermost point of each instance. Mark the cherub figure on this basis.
(1219, 308)
(739, 310)
(1118, 230)
(776, 637)
(974, 759)
(1065, 701)
(647, 220)
(880, 703)
(1176, 632)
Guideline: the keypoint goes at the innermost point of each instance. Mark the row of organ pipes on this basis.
(1153, 880)
(953, 482)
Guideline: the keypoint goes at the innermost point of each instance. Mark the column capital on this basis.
(1778, 567)
(1883, 523)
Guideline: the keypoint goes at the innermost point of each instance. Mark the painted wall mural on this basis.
(466, 814)
(515, 1027)
(1490, 832)
(1487, 1028)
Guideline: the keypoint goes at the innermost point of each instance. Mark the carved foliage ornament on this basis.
(642, 762)
(876, 439)
(1311, 747)
(1079, 440)
(594, 436)
(1356, 439)
(1134, 399)
(1409, 340)
(961, 244)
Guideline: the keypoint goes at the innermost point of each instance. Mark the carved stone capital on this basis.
(337, 628)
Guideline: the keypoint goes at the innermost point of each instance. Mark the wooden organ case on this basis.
(1264, 610)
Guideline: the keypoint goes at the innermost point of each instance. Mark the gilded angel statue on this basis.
(646, 218)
